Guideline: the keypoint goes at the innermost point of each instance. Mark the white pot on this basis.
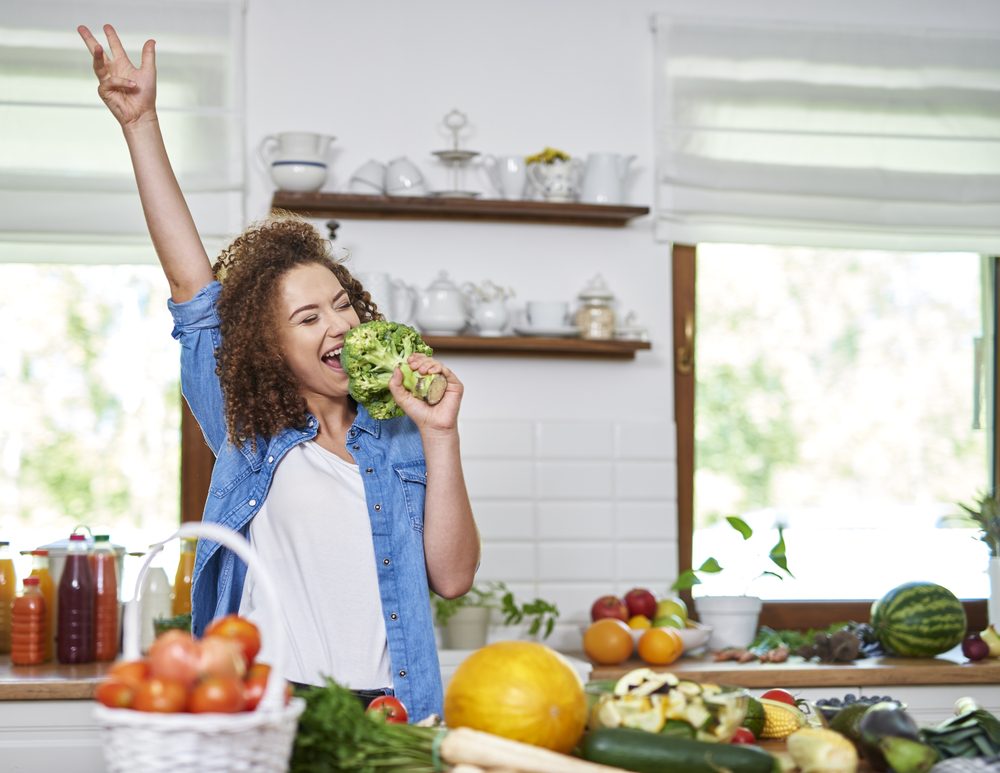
(733, 619)
(993, 603)
(466, 629)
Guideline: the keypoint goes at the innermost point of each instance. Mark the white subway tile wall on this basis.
(570, 511)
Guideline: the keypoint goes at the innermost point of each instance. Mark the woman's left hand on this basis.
(439, 418)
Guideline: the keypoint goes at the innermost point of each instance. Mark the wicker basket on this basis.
(259, 740)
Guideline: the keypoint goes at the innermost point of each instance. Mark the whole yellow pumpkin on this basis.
(520, 690)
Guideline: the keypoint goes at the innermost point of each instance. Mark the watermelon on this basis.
(919, 620)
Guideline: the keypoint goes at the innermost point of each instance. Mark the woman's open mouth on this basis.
(332, 359)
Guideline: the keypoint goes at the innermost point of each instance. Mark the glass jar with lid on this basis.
(595, 317)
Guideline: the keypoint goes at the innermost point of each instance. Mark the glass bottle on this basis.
(595, 317)
(75, 639)
(182, 579)
(104, 572)
(154, 604)
(28, 636)
(40, 569)
(8, 580)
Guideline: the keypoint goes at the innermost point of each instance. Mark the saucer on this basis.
(562, 331)
(455, 194)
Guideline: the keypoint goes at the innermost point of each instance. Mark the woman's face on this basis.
(313, 314)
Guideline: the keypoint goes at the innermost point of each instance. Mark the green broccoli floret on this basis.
(372, 352)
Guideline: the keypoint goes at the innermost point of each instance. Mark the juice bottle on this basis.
(182, 580)
(75, 640)
(27, 637)
(104, 572)
(40, 569)
(7, 594)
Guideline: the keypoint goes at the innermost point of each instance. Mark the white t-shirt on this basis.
(313, 537)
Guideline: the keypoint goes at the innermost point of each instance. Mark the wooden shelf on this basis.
(531, 345)
(349, 205)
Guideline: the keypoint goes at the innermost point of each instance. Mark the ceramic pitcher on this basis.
(294, 146)
(556, 181)
(604, 178)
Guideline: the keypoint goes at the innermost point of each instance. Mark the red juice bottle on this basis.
(102, 569)
(75, 641)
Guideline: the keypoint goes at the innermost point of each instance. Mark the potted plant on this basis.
(465, 620)
(733, 618)
(985, 516)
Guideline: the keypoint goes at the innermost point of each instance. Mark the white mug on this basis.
(402, 178)
(507, 174)
(546, 315)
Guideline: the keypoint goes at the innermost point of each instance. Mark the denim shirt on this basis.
(390, 459)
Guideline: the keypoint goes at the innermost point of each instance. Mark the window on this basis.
(92, 415)
(840, 394)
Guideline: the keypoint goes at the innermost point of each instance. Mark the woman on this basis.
(353, 517)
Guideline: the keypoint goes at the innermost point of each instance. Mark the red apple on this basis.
(640, 602)
(609, 606)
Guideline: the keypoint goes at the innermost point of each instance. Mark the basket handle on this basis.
(274, 693)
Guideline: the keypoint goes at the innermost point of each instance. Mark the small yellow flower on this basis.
(547, 156)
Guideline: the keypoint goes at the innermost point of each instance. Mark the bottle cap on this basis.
(101, 537)
(31, 581)
(76, 538)
(3, 543)
(39, 552)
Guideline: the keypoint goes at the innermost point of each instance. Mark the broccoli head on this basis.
(372, 352)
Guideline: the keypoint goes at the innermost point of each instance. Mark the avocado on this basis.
(846, 722)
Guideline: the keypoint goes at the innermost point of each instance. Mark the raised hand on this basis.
(128, 91)
(439, 418)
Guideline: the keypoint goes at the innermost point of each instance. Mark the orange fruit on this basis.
(660, 646)
(520, 690)
(608, 641)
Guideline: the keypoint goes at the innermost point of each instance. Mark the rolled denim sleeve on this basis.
(196, 327)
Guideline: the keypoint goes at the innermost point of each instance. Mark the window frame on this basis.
(784, 613)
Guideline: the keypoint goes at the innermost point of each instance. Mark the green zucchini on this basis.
(637, 750)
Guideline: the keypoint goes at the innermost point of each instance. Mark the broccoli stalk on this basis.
(372, 352)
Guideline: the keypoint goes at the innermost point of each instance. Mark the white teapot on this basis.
(489, 307)
(441, 308)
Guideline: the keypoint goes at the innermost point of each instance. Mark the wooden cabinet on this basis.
(334, 205)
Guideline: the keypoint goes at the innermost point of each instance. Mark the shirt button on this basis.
(402, 672)
(312, 422)
(393, 616)
(369, 470)
(378, 508)
(252, 502)
(385, 561)
(270, 460)
(355, 446)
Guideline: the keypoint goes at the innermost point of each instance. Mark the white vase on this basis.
(993, 603)
(466, 629)
(733, 619)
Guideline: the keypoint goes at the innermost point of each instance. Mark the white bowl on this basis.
(298, 177)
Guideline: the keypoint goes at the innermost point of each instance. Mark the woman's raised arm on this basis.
(130, 94)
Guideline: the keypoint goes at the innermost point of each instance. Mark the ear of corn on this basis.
(780, 719)
(819, 750)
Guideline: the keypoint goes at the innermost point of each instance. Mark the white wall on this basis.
(566, 509)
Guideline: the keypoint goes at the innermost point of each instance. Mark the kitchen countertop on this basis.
(54, 681)
(951, 668)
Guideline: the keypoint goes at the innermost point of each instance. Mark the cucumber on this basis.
(637, 750)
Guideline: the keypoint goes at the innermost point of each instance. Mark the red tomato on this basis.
(175, 655)
(390, 707)
(780, 695)
(220, 656)
(255, 684)
(743, 735)
(114, 694)
(163, 696)
(131, 672)
(239, 629)
(217, 695)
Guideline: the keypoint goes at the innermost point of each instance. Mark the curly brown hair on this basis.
(260, 393)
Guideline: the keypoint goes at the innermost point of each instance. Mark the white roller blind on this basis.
(834, 137)
(64, 166)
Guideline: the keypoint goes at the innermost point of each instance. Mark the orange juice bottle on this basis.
(28, 626)
(7, 595)
(40, 569)
(104, 574)
(181, 603)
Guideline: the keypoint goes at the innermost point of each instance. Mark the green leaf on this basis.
(686, 580)
(777, 554)
(711, 566)
(740, 525)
